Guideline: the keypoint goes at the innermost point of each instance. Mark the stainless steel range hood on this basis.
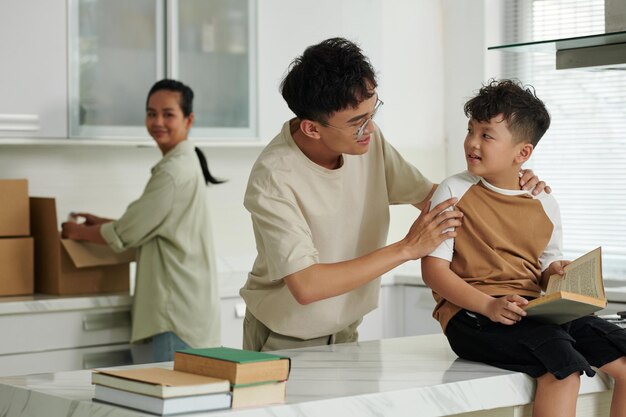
(600, 52)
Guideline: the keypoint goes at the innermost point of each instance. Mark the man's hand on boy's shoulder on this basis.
(529, 181)
(507, 309)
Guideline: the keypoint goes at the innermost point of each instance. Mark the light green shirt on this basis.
(303, 214)
(176, 282)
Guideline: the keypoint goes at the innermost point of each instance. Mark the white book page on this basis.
(583, 276)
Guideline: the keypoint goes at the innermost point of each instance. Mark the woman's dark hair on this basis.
(186, 93)
(186, 105)
(330, 76)
(208, 178)
(525, 113)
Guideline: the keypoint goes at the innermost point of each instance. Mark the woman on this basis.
(176, 303)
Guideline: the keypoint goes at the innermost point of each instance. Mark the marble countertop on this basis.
(416, 375)
(230, 283)
(410, 274)
(231, 280)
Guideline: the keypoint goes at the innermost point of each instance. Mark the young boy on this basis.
(508, 246)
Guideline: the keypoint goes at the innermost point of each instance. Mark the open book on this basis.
(579, 292)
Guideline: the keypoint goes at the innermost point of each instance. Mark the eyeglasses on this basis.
(361, 130)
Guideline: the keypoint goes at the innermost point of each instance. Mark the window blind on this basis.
(583, 154)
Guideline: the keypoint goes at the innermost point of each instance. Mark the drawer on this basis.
(63, 329)
(65, 360)
(233, 310)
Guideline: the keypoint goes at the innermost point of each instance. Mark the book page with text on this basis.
(583, 276)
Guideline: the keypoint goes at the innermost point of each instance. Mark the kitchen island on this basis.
(409, 376)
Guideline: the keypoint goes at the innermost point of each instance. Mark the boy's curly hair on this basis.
(525, 113)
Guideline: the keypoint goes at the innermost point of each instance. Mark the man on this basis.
(319, 197)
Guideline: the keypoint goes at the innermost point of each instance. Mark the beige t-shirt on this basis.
(176, 282)
(303, 214)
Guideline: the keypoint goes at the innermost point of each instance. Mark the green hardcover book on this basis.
(237, 365)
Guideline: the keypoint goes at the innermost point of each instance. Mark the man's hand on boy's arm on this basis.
(529, 181)
(440, 278)
(555, 268)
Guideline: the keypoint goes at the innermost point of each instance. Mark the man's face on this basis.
(349, 131)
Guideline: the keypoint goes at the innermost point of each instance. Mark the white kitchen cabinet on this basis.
(372, 327)
(404, 310)
(65, 359)
(613, 308)
(64, 329)
(407, 311)
(63, 340)
(33, 76)
(418, 311)
(233, 310)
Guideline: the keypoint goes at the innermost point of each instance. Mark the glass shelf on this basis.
(553, 45)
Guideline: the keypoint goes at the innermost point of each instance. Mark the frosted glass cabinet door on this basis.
(215, 56)
(114, 60)
(119, 48)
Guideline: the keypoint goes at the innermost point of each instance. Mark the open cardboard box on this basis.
(66, 267)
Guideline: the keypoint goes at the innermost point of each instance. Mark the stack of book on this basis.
(256, 378)
(161, 391)
(202, 380)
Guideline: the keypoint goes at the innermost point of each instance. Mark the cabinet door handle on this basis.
(240, 310)
(100, 321)
(105, 359)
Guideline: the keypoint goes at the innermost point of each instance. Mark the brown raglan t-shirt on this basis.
(507, 239)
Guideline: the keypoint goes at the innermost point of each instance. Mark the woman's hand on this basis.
(90, 219)
(71, 230)
(82, 231)
(506, 310)
(529, 181)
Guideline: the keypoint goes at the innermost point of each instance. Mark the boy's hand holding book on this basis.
(555, 268)
(577, 292)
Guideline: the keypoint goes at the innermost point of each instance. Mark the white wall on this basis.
(469, 28)
(405, 41)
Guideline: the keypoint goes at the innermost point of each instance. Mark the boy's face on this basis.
(491, 152)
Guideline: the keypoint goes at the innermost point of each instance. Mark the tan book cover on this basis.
(579, 292)
(159, 382)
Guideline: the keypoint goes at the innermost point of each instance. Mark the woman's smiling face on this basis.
(165, 120)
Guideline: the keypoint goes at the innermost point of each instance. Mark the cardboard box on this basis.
(14, 219)
(67, 267)
(16, 266)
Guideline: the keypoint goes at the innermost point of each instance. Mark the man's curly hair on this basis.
(330, 76)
